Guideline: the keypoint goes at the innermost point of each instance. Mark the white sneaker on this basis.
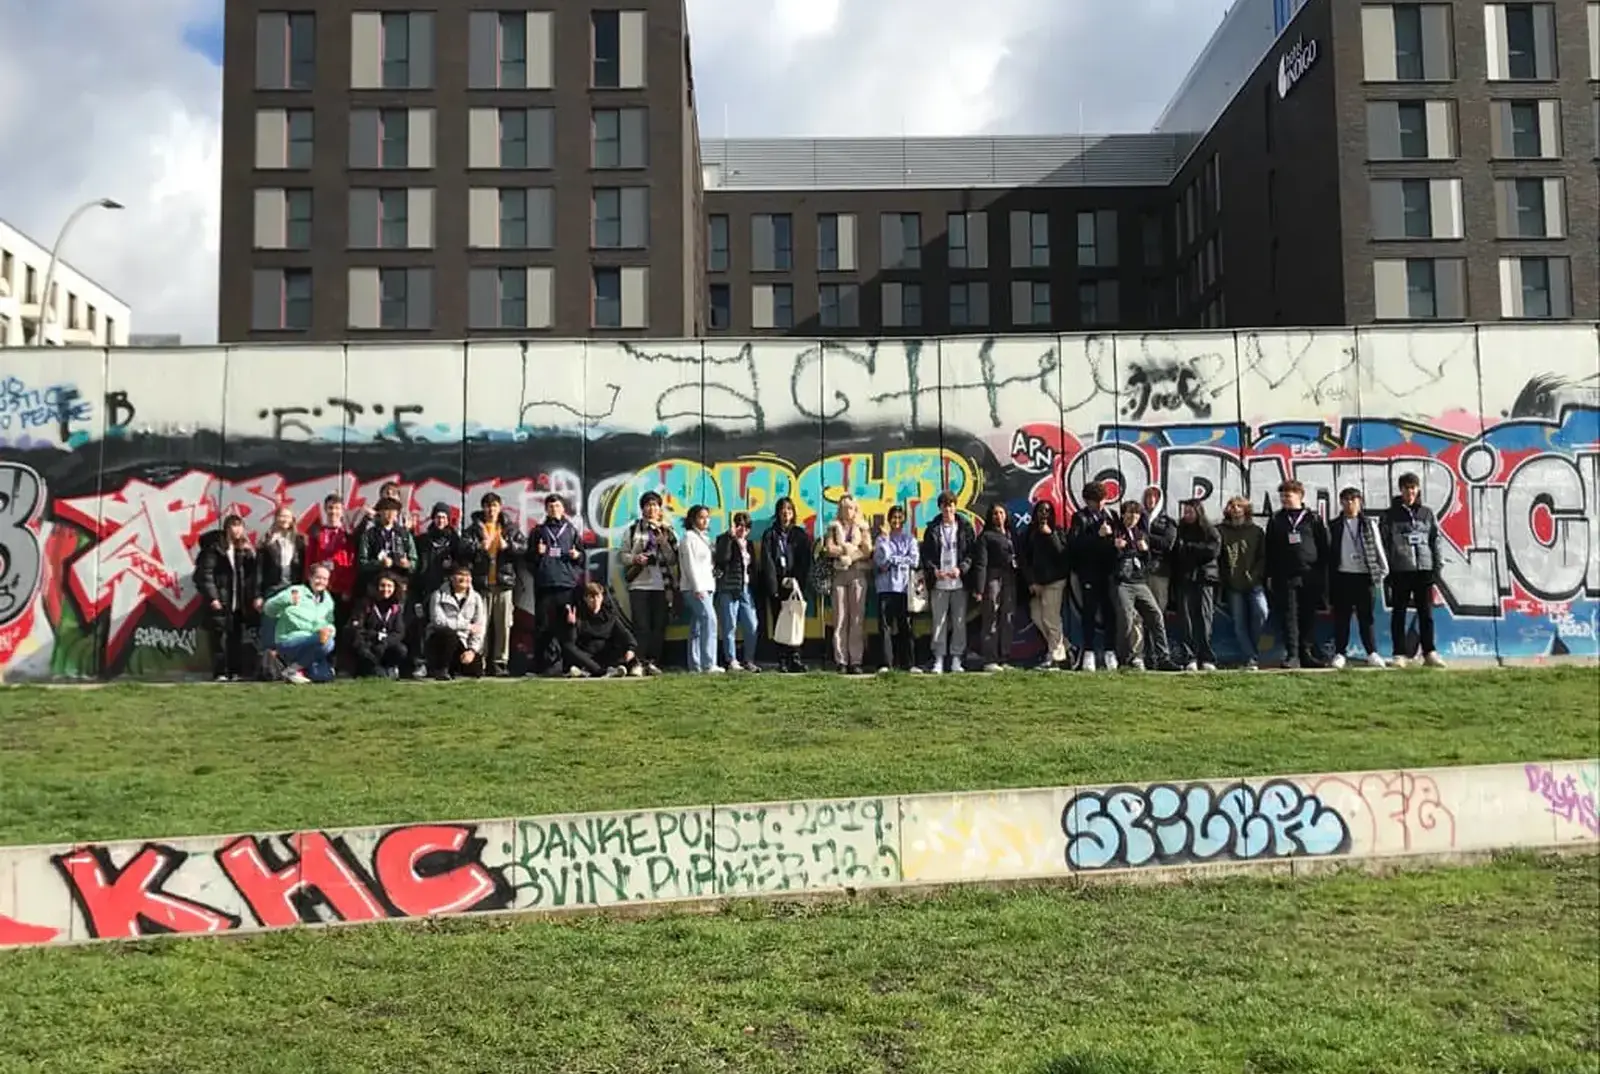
(1136, 664)
(1191, 666)
(716, 670)
(1433, 660)
(1401, 661)
(1376, 661)
(293, 673)
(1337, 663)
(1252, 664)
(956, 666)
(1208, 666)
(1109, 662)
(1087, 663)
(916, 670)
(992, 668)
(937, 668)
(575, 672)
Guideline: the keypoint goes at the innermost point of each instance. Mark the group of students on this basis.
(435, 601)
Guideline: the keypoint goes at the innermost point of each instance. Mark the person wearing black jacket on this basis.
(950, 558)
(1092, 544)
(555, 552)
(1415, 549)
(785, 570)
(380, 631)
(438, 551)
(1196, 547)
(1297, 568)
(733, 561)
(1045, 566)
(495, 544)
(997, 592)
(225, 574)
(1138, 615)
(596, 642)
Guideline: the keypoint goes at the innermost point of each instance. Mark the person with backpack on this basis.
(1415, 549)
(1358, 567)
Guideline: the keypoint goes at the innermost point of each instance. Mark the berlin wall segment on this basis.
(113, 464)
(200, 886)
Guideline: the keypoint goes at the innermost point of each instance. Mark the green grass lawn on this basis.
(132, 761)
(1476, 971)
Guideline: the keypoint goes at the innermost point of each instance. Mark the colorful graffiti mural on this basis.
(205, 885)
(113, 464)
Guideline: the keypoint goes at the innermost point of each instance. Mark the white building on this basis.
(83, 314)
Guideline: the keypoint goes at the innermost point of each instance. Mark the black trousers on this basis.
(648, 608)
(1407, 590)
(894, 628)
(371, 658)
(1352, 595)
(550, 625)
(1197, 610)
(1297, 602)
(444, 653)
(227, 641)
(596, 659)
(1099, 610)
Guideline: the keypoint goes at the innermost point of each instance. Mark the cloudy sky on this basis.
(121, 98)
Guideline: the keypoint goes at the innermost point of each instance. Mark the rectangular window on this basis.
(513, 293)
(392, 298)
(969, 304)
(606, 34)
(1527, 201)
(396, 51)
(297, 299)
(607, 311)
(721, 307)
(1409, 62)
(828, 245)
(513, 58)
(1097, 302)
(394, 125)
(838, 305)
(955, 230)
(297, 220)
(772, 242)
(513, 138)
(1419, 289)
(911, 305)
(1536, 287)
(1521, 42)
(302, 50)
(607, 230)
(1036, 297)
(300, 129)
(620, 138)
(513, 219)
(1525, 141)
(392, 218)
(717, 243)
(782, 305)
(1412, 120)
(1152, 240)
(900, 240)
(1416, 208)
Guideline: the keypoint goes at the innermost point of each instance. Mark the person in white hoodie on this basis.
(697, 562)
(458, 619)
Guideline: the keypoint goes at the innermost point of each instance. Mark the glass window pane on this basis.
(1525, 129)
(607, 139)
(513, 298)
(392, 219)
(608, 298)
(1408, 42)
(717, 244)
(1415, 208)
(302, 50)
(782, 242)
(1535, 287)
(1421, 297)
(783, 306)
(396, 51)
(393, 126)
(392, 298)
(300, 129)
(513, 219)
(721, 306)
(1521, 50)
(1413, 130)
(608, 218)
(607, 36)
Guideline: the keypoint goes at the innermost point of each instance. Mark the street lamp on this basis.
(55, 254)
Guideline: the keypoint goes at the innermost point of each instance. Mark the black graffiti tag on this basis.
(21, 496)
(1164, 388)
(286, 419)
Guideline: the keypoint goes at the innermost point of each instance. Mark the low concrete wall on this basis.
(127, 890)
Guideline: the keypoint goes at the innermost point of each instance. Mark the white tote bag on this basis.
(790, 629)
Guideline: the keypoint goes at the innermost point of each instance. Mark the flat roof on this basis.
(63, 261)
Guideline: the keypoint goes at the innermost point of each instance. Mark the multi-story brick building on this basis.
(435, 172)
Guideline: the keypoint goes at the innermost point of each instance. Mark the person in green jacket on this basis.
(304, 635)
(1244, 568)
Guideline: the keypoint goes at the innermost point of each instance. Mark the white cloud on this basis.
(102, 98)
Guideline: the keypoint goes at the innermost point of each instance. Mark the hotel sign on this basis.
(1293, 65)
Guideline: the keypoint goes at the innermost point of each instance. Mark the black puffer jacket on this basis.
(233, 585)
(1195, 553)
(1044, 558)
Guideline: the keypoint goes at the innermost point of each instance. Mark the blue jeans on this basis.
(733, 611)
(702, 631)
(312, 655)
(1248, 613)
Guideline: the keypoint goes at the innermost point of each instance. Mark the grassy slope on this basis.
(1470, 970)
(126, 762)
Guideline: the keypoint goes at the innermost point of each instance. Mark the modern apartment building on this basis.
(534, 170)
(81, 313)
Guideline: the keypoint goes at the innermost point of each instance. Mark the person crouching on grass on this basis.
(304, 632)
(380, 631)
(1357, 566)
(597, 642)
(1135, 603)
(733, 561)
(458, 622)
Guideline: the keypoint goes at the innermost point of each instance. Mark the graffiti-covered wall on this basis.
(112, 464)
(266, 880)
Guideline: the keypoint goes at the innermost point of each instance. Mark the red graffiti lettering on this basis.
(424, 871)
(14, 932)
(129, 902)
(283, 895)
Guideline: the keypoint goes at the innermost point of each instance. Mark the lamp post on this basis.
(55, 254)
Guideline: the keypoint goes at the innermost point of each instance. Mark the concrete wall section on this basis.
(275, 880)
(113, 464)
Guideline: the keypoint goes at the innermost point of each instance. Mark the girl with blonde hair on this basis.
(848, 545)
